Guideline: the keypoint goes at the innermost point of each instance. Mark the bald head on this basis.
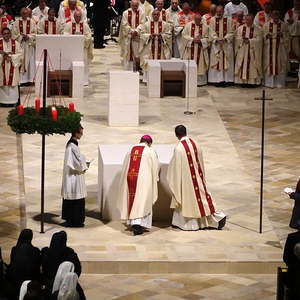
(198, 19)
(159, 4)
(24, 13)
(77, 16)
(134, 4)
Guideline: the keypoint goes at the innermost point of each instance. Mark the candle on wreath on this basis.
(20, 110)
(54, 113)
(71, 107)
(37, 105)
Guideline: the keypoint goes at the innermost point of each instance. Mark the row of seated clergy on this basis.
(18, 51)
(249, 55)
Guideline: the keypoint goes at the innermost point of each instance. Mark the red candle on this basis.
(71, 107)
(37, 105)
(20, 109)
(54, 114)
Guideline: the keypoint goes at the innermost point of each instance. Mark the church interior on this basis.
(243, 260)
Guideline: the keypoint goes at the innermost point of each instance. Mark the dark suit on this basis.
(293, 263)
(295, 220)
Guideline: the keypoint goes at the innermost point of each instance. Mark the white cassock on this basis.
(130, 47)
(49, 27)
(231, 9)
(138, 189)
(73, 182)
(192, 203)
(248, 57)
(294, 30)
(147, 9)
(66, 15)
(172, 17)
(182, 20)
(9, 72)
(221, 53)
(83, 28)
(261, 18)
(195, 51)
(155, 48)
(26, 27)
(276, 51)
(39, 14)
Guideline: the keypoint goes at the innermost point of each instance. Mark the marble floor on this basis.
(227, 123)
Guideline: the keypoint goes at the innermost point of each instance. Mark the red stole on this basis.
(193, 170)
(74, 28)
(158, 41)
(271, 53)
(21, 29)
(137, 18)
(193, 30)
(251, 34)
(133, 173)
(225, 20)
(68, 14)
(12, 69)
(47, 22)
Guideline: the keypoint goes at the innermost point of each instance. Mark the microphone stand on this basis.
(187, 93)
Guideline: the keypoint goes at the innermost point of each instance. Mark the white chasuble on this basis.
(248, 55)
(46, 26)
(138, 189)
(192, 203)
(221, 52)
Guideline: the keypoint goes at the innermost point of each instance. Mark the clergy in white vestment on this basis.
(248, 54)
(221, 70)
(80, 27)
(50, 25)
(232, 7)
(212, 12)
(196, 44)
(292, 18)
(4, 21)
(263, 16)
(156, 40)
(24, 31)
(172, 17)
(67, 10)
(138, 189)
(129, 35)
(11, 59)
(40, 12)
(193, 205)
(73, 183)
(238, 20)
(276, 51)
(159, 5)
(146, 8)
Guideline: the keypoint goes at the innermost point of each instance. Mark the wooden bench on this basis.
(172, 83)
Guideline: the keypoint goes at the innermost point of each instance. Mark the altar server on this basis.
(276, 50)
(11, 59)
(73, 183)
(49, 25)
(129, 34)
(248, 54)
(80, 27)
(195, 45)
(24, 31)
(138, 186)
(193, 206)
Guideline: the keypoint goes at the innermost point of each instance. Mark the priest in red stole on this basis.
(49, 25)
(138, 189)
(68, 8)
(193, 205)
(10, 58)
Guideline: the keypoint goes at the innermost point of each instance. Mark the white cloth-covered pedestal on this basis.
(110, 163)
(154, 75)
(124, 95)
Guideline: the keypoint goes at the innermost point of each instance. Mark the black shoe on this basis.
(99, 46)
(137, 230)
(222, 223)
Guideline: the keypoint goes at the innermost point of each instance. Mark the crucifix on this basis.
(263, 99)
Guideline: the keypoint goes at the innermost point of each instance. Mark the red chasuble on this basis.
(133, 173)
(193, 170)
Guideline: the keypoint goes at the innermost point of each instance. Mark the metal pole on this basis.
(187, 93)
(262, 160)
(43, 143)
